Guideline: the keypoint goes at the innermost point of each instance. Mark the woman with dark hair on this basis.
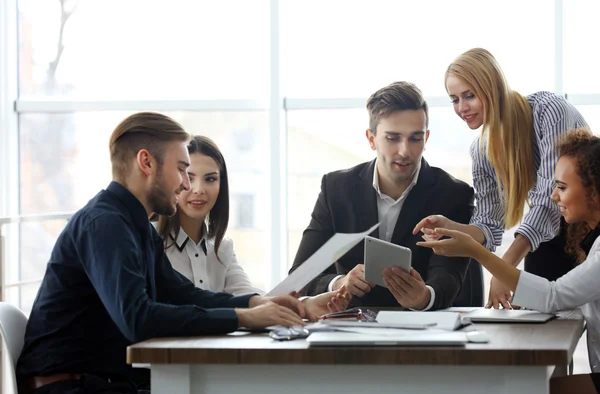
(194, 237)
(577, 196)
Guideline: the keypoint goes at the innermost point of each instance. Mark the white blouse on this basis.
(580, 287)
(199, 263)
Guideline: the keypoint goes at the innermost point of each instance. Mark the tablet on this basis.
(380, 255)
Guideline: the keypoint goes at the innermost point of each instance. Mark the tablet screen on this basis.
(380, 255)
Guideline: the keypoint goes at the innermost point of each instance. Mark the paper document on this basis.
(443, 320)
(423, 338)
(391, 331)
(404, 325)
(331, 251)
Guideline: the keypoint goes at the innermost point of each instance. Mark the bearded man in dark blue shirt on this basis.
(107, 286)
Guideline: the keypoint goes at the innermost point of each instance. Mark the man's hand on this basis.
(333, 301)
(267, 314)
(354, 281)
(499, 295)
(408, 289)
(288, 301)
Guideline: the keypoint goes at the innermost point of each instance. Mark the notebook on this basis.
(423, 338)
(482, 315)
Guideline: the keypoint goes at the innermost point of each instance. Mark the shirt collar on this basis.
(376, 178)
(588, 241)
(132, 204)
(183, 239)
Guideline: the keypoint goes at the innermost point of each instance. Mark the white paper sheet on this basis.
(383, 331)
(331, 251)
(443, 320)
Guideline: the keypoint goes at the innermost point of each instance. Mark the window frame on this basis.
(12, 105)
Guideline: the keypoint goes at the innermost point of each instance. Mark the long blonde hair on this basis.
(507, 128)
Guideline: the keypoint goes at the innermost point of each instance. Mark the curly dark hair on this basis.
(583, 146)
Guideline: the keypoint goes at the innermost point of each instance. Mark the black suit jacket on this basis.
(348, 204)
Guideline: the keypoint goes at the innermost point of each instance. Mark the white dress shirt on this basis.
(388, 211)
(199, 263)
(578, 288)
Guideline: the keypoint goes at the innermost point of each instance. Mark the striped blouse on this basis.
(553, 116)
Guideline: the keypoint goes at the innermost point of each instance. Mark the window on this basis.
(209, 65)
(373, 43)
(581, 59)
(591, 113)
(244, 210)
(64, 158)
(139, 49)
(244, 139)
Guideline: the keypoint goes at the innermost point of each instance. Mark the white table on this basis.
(519, 359)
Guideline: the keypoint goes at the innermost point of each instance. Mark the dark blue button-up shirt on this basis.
(108, 285)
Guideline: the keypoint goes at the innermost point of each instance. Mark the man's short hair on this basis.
(398, 96)
(144, 130)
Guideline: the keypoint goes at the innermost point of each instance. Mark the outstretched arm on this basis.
(461, 244)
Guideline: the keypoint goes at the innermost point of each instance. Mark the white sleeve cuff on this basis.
(532, 292)
(330, 286)
(431, 300)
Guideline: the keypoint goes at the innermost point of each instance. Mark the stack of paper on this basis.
(392, 328)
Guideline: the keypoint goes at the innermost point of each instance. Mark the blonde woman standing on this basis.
(513, 162)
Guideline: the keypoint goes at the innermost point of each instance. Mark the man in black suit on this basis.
(397, 189)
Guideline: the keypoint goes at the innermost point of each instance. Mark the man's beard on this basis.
(159, 198)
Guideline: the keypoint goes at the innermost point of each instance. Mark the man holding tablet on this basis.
(380, 255)
(396, 189)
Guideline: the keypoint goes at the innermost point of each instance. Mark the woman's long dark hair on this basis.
(218, 217)
(584, 147)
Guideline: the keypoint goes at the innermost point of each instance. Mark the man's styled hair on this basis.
(144, 130)
(398, 96)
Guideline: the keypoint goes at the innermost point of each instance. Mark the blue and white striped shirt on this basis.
(553, 116)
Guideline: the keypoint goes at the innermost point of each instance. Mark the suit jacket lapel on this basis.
(365, 199)
(416, 199)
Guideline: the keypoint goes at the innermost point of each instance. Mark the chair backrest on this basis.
(471, 293)
(12, 328)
